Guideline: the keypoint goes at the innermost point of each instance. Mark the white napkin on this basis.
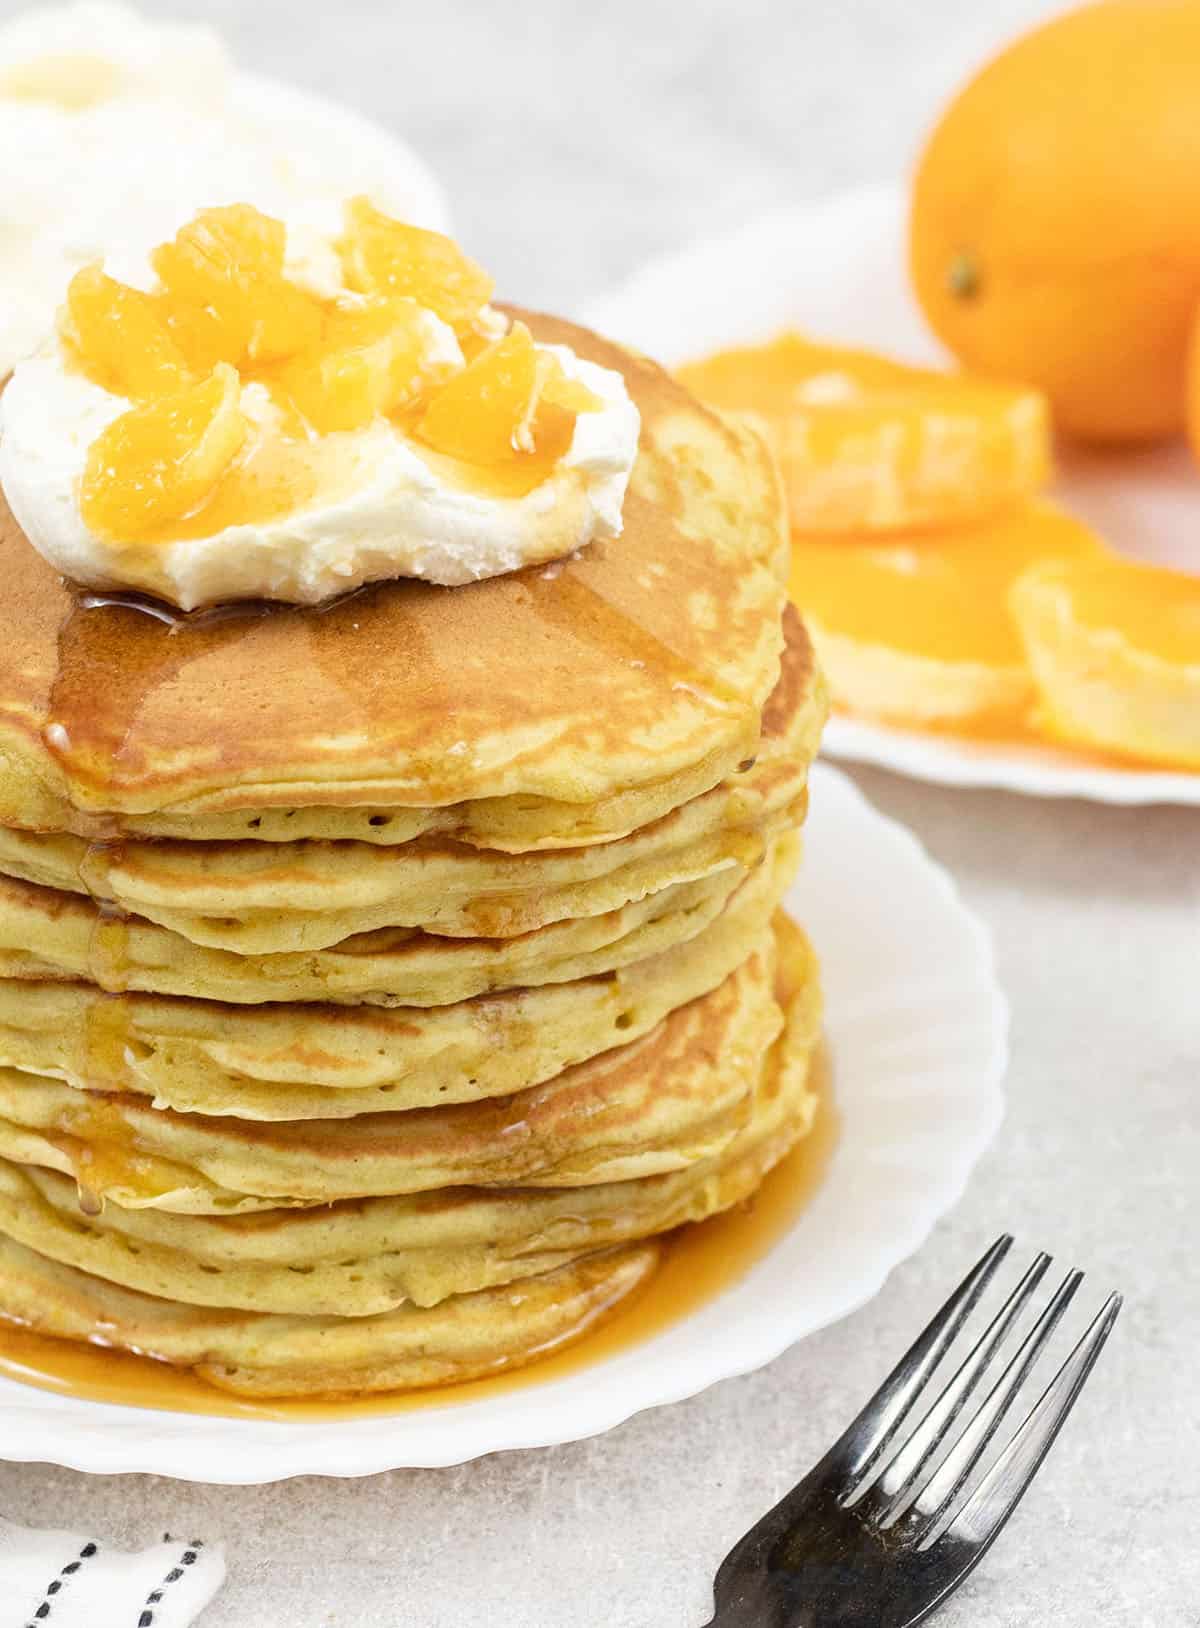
(66, 1580)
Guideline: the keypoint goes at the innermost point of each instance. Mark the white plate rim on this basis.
(1032, 771)
(714, 292)
(106, 1439)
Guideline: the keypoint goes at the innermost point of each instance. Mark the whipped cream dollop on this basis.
(386, 508)
(118, 129)
(291, 513)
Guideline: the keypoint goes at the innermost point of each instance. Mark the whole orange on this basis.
(1055, 226)
(1193, 385)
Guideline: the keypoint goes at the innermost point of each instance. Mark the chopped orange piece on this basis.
(226, 313)
(228, 263)
(479, 415)
(385, 256)
(557, 402)
(512, 403)
(159, 461)
(869, 444)
(1115, 647)
(919, 629)
(197, 330)
(372, 359)
(119, 337)
(560, 391)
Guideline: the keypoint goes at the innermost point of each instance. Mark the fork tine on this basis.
(935, 1496)
(860, 1445)
(983, 1515)
(901, 1474)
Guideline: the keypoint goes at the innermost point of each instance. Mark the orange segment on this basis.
(512, 410)
(926, 619)
(869, 444)
(198, 331)
(549, 423)
(160, 460)
(226, 313)
(372, 359)
(119, 338)
(385, 256)
(557, 390)
(228, 264)
(483, 413)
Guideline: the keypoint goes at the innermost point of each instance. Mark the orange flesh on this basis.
(477, 415)
(228, 263)
(943, 595)
(121, 336)
(1153, 609)
(495, 426)
(158, 462)
(510, 412)
(385, 256)
(791, 372)
(943, 444)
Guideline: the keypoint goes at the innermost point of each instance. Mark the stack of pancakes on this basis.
(379, 984)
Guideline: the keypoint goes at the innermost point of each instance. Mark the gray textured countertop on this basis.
(576, 141)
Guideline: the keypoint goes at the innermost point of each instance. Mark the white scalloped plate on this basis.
(918, 1044)
(837, 269)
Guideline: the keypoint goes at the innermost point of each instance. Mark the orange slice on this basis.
(224, 269)
(160, 460)
(118, 337)
(869, 444)
(385, 256)
(1114, 645)
(918, 630)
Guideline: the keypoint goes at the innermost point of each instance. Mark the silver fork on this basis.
(885, 1527)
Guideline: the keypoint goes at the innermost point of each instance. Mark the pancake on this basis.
(255, 898)
(498, 825)
(232, 877)
(390, 967)
(280, 1061)
(251, 1354)
(614, 673)
(380, 982)
(360, 1259)
(674, 1097)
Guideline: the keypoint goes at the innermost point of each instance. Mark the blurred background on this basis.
(576, 139)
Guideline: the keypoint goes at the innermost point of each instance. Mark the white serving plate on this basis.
(918, 1045)
(837, 270)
